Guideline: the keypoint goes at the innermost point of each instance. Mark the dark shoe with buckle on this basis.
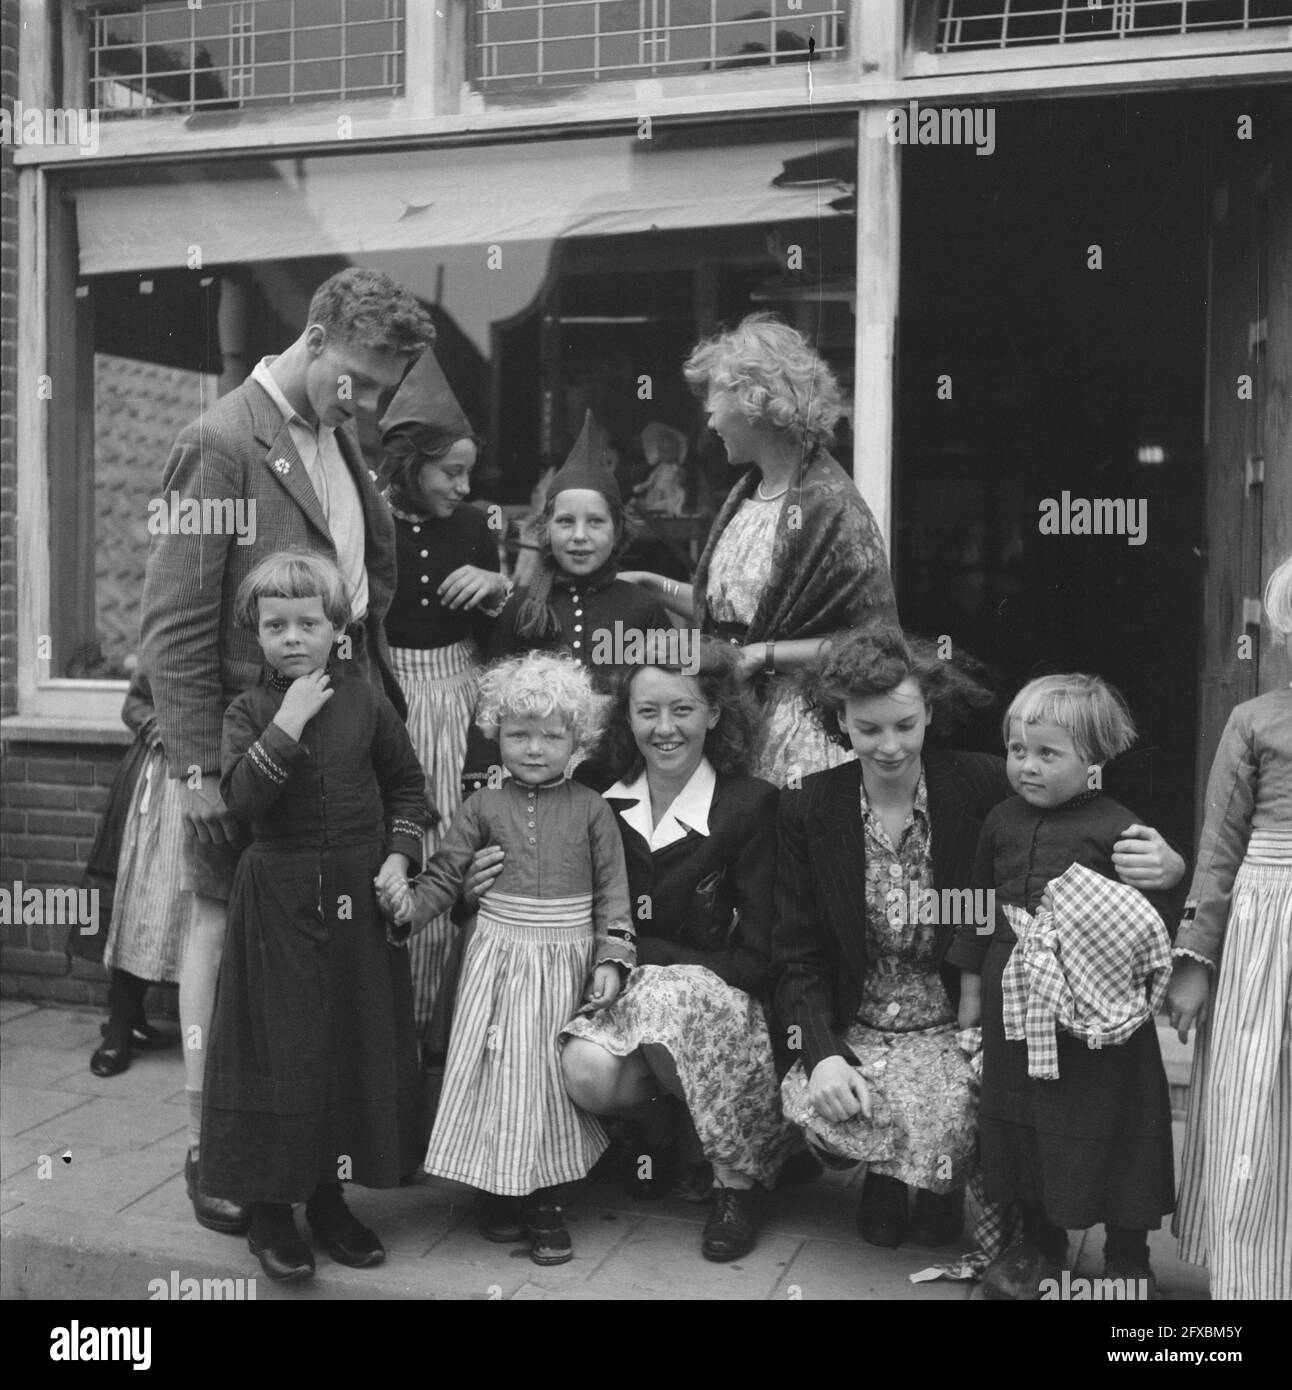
(283, 1255)
(549, 1240)
(939, 1217)
(1015, 1277)
(109, 1059)
(215, 1213)
(732, 1228)
(883, 1218)
(342, 1234)
(499, 1218)
(145, 1038)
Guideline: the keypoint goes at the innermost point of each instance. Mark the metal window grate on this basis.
(526, 43)
(231, 54)
(966, 24)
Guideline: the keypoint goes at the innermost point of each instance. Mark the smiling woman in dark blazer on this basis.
(860, 989)
(700, 841)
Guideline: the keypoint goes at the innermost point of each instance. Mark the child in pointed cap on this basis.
(576, 593)
(447, 594)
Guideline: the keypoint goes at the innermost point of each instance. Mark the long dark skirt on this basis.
(1093, 1146)
(312, 1071)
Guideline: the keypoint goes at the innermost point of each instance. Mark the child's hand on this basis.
(305, 697)
(395, 901)
(838, 1091)
(602, 987)
(1188, 996)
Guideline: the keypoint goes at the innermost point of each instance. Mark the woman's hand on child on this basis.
(305, 697)
(838, 1091)
(1144, 860)
(469, 586)
(602, 988)
(1188, 996)
(485, 866)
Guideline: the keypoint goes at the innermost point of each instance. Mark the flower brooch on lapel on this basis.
(282, 467)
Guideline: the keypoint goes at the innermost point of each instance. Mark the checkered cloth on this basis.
(1095, 961)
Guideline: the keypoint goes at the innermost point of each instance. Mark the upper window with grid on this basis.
(223, 55)
(964, 24)
(528, 43)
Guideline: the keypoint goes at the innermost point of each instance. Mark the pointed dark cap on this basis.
(425, 408)
(586, 467)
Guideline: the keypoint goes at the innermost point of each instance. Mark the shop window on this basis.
(562, 275)
(524, 43)
(976, 24)
(230, 54)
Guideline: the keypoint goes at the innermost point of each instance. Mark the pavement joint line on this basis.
(615, 1248)
(85, 1100)
(445, 1234)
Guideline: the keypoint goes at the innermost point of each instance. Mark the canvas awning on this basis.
(391, 201)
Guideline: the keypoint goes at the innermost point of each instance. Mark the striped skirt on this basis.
(1235, 1208)
(440, 685)
(505, 1123)
(150, 915)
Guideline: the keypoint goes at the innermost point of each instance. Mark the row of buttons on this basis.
(425, 554)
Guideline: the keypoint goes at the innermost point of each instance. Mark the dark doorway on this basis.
(1068, 369)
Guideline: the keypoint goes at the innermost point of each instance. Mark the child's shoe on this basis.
(499, 1218)
(277, 1244)
(340, 1232)
(1132, 1272)
(549, 1240)
(1016, 1275)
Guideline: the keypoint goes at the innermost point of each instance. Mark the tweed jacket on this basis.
(819, 939)
(197, 659)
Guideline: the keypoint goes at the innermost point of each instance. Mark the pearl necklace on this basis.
(762, 496)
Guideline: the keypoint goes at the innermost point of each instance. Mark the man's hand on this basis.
(838, 1091)
(206, 817)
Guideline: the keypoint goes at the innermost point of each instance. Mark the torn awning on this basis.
(349, 205)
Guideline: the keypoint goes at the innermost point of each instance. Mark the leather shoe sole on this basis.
(359, 1249)
(283, 1264)
(109, 1061)
(549, 1240)
(215, 1213)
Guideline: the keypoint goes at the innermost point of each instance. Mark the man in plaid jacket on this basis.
(282, 449)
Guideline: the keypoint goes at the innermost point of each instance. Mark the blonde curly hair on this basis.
(773, 374)
(536, 686)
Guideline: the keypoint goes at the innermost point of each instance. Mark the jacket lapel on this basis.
(281, 457)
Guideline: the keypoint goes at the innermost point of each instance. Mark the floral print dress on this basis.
(923, 1123)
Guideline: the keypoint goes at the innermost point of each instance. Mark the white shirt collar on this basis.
(264, 377)
(689, 811)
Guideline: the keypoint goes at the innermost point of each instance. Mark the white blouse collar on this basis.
(689, 810)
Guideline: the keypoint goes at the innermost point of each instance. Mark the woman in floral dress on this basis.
(794, 555)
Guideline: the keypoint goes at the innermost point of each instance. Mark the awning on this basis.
(355, 204)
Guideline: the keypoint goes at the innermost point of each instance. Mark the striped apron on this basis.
(440, 685)
(1235, 1208)
(505, 1123)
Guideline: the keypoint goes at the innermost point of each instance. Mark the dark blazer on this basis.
(197, 659)
(819, 941)
(707, 899)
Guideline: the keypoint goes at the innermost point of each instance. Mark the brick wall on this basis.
(51, 798)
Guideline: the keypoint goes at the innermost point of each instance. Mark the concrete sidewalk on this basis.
(92, 1206)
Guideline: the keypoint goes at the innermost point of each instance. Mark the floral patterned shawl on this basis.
(829, 570)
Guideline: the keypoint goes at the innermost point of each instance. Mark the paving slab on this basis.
(96, 1179)
(30, 1107)
(828, 1269)
(663, 1257)
(64, 1029)
(16, 1008)
(34, 1066)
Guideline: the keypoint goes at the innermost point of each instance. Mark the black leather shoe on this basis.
(215, 1213)
(110, 1061)
(499, 1218)
(285, 1259)
(882, 1218)
(732, 1228)
(145, 1038)
(939, 1217)
(549, 1239)
(343, 1235)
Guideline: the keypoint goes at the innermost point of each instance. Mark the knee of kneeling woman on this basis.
(590, 1076)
